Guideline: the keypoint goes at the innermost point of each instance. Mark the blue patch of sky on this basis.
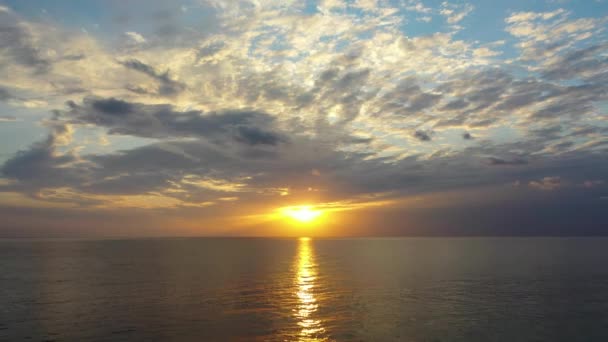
(602, 108)
(80, 14)
(310, 7)
(20, 134)
(28, 129)
(486, 23)
(107, 19)
(90, 140)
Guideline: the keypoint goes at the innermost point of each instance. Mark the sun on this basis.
(303, 213)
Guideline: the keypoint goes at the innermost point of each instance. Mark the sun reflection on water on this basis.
(306, 278)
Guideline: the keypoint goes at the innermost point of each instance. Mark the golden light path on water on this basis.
(311, 328)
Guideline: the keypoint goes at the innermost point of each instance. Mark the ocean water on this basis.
(402, 289)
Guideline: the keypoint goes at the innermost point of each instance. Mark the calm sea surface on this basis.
(404, 289)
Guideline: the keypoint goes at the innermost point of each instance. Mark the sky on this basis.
(389, 117)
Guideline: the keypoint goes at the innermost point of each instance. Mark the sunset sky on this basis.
(385, 117)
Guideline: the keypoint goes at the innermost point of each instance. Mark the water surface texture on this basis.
(403, 289)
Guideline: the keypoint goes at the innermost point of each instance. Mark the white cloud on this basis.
(547, 183)
(529, 16)
(135, 37)
(8, 118)
(454, 13)
(418, 6)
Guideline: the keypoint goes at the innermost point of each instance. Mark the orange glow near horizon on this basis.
(302, 214)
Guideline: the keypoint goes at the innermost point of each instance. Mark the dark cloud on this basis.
(422, 136)
(548, 132)
(210, 50)
(523, 93)
(408, 98)
(456, 104)
(40, 166)
(162, 121)
(136, 65)
(17, 43)
(26, 165)
(578, 62)
(573, 102)
(423, 101)
(167, 86)
(479, 88)
(352, 78)
(562, 146)
(110, 106)
(518, 213)
(338, 86)
(483, 122)
(485, 96)
(8, 118)
(138, 90)
(76, 57)
(256, 136)
(507, 162)
(587, 130)
(5, 94)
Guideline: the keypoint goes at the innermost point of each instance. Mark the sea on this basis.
(305, 289)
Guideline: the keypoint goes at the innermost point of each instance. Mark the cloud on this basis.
(455, 13)
(135, 37)
(547, 183)
(111, 106)
(422, 135)
(5, 95)
(418, 6)
(41, 165)
(210, 49)
(583, 63)
(18, 44)
(593, 183)
(166, 87)
(507, 162)
(8, 118)
(456, 104)
(256, 136)
(529, 16)
(163, 121)
(545, 35)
